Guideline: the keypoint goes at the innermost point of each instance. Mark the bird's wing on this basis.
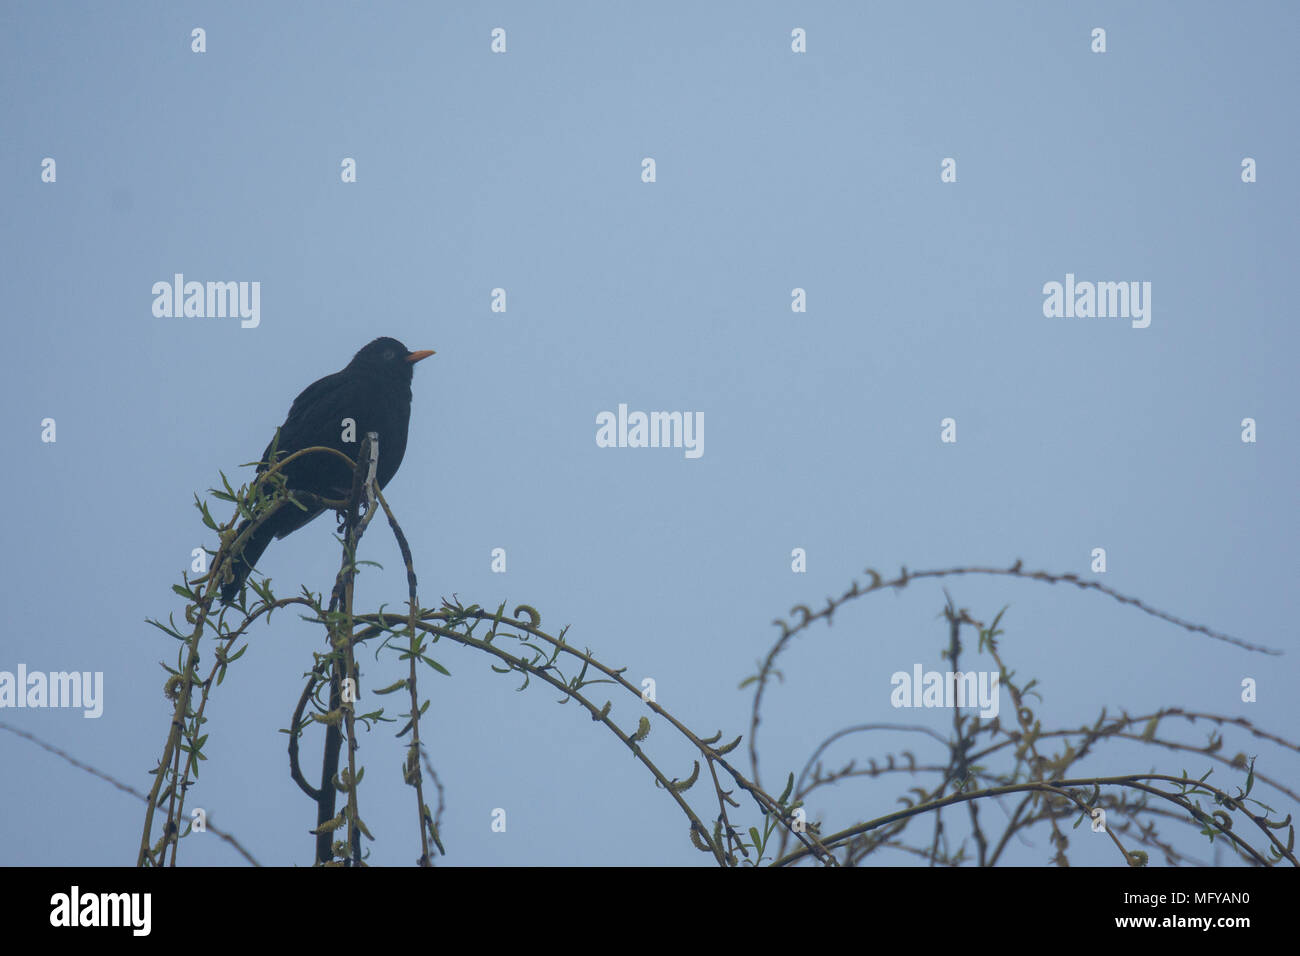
(316, 418)
(311, 419)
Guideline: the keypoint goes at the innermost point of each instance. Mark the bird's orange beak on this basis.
(416, 356)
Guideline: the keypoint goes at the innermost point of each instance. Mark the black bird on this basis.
(374, 391)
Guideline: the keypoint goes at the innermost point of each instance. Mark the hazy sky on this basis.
(774, 171)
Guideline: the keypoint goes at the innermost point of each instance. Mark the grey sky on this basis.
(774, 171)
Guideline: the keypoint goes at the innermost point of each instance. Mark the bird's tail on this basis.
(242, 564)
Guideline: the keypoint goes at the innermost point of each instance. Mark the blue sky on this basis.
(774, 171)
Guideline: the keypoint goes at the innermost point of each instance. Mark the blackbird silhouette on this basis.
(374, 391)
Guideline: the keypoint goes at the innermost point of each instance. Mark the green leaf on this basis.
(442, 670)
(789, 786)
(681, 786)
(728, 748)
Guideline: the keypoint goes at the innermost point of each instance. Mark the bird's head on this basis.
(386, 354)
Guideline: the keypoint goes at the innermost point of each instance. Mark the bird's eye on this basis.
(388, 356)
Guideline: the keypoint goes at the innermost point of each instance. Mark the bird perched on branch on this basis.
(373, 394)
